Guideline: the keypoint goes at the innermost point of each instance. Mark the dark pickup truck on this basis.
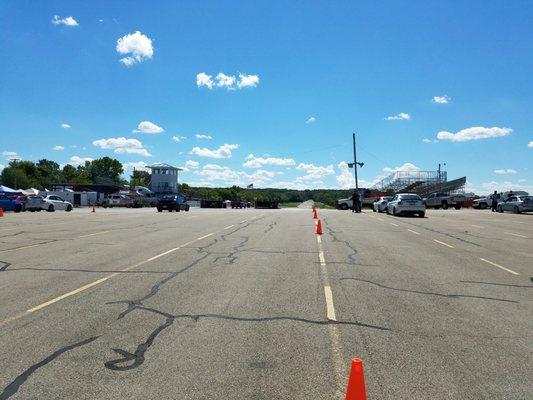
(174, 202)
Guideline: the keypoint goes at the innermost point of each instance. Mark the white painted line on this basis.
(93, 234)
(380, 219)
(97, 282)
(242, 222)
(515, 234)
(476, 226)
(415, 232)
(393, 224)
(444, 244)
(499, 266)
(21, 247)
(321, 258)
(229, 227)
(330, 310)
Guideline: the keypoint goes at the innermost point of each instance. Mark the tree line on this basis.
(44, 173)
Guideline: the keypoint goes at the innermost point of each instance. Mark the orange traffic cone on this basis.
(315, 214)
(1, 212)
(318, 228)
(94, 209)
(356, 382)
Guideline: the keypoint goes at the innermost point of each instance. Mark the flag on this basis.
(250, 186)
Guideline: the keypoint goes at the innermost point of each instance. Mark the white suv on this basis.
(406, 204)
(49, 203)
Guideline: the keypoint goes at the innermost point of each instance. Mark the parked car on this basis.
(49, 203)
(238, 204)
(117, 200)
(406, 204)
(11, 203)
(438, 200)
(380, 205)
(516, 204)
(172, 202)
(485, 202)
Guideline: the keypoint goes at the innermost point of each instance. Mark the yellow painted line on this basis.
(444, 244)
(415, 232)
(93, 234)
(229, 227)
(318, 239)
(321, 258)
(393, 224)
(330, 310)
(97, 282)
(515, 234)
(499, 266)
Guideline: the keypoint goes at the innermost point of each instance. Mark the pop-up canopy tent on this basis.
(5, 189)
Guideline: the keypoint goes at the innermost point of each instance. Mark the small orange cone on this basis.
(356, 382)
(94, 209)
(318, 228)
(1, 212)
(315, 214)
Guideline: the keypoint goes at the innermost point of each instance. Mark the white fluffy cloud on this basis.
(148, 127)
(65, 126)
(121, 145)
(178, 138)
(137, 165)
(192, 164)
(258, 162)
(10, 154)
(226, 175)
(310, 120)
(505, 171)
(426, 140)
(505, 186)
(202, 136)
(399, 117)
(138, 45)
(68, 21)
(76, 160)
(530, 144)
(441, 99)
(229, 82)
(406, 167)
(345, 179)
(58, 148)
(474, 133)
(224, 151)
(2, 166)
(315, 172)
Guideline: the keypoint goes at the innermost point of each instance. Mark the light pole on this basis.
(355, 164)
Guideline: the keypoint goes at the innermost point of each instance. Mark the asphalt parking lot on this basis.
(252, 304)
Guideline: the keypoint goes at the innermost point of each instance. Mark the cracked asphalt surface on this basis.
(229, 304)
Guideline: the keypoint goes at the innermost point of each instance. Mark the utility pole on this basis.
(355, 164)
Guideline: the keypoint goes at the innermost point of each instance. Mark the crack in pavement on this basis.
(15, 385)
(450, 296)
(334, 238)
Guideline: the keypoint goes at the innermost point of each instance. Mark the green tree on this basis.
(48, 173)
(140, 178)
(106, 168)
(15, 178)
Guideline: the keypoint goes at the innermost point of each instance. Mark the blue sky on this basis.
(298, 78)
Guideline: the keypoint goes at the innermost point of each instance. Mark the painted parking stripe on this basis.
(93, 234)
(229, 227)
(444, 244)
(393, 224)
(415, 232)
(516, 234)
(499, 266)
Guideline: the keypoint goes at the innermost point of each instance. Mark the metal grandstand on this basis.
(420, 182)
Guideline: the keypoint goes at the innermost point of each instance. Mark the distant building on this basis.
(164, 178)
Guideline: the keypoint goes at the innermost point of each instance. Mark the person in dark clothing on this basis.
(494, 203)
(355, 202)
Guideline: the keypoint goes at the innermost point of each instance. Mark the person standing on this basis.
(355, 201)
(494, 203)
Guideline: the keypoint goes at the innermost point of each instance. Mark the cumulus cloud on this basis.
(441, 99)
(226, 175)
(65, 126)
(76, 160)
(137, 45)
(202, 136)
(137, 165)
(202, 79)
(224, 151)
(505, 171)
(406, 167)
(398, 117)
(345, 179)
(315, 171)
(121, 145)
(68, 21)
(178, 138)
(229, 82)
(474, 133)
(426, 140)
(2, 166)
(258, 162)
(58, 148)
(10, 154)
(506, 186)
(530, 144)
(192, 164)
(310, 120)
(148, 127)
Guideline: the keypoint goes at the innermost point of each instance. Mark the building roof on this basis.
(163, 165)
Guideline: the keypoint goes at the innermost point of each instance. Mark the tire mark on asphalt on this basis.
(15, 385)
(450, 296)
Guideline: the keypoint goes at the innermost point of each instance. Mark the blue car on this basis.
(10, 203)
